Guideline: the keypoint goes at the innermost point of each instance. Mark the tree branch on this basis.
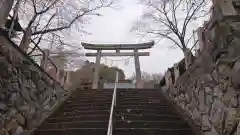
(70, 24)
(168, 37)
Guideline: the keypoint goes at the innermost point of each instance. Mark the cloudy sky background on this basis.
(114, 27)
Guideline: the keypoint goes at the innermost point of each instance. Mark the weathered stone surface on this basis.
(210, 99)
(196, 116)
(24, 88)
(217, 113)
(224, 70)
(238, 129)
(230, 98)
(201, 98)
(206, 126)
(3, 131)
(212, 83)
(230, 119)
(12, 125)
(19, 130)
(3, 106)
(218, 92)
(208, 90)
(236, 74)
(212, 132)
(20, 119)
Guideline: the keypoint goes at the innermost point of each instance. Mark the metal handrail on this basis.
(114, 99)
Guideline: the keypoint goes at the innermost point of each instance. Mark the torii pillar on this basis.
(117, 48)
(96, 70)
(137, 69)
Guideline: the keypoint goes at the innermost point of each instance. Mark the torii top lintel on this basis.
(91, 46)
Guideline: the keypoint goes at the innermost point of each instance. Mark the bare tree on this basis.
(47, 19)
(69, 59)
(172, 19)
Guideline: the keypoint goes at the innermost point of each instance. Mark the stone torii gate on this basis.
(117, 47)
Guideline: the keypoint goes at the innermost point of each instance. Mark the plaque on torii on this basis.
(117, 47)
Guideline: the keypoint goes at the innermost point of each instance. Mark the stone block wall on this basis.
(27, 93)
(208, 92)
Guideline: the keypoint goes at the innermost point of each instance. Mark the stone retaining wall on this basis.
(27, 93)
(209, 91)
(210, 95)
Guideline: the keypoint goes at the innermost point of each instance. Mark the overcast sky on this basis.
(114, 27)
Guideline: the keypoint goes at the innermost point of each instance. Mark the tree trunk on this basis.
(5, 8)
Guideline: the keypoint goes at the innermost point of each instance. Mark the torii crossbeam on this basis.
(117, 48)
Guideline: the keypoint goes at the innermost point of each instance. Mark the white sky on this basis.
(114, 26)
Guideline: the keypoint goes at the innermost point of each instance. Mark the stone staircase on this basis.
(138, 112)
(147, 112)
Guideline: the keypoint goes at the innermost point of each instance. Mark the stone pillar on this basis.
(44, 61)
(5, 8)
(138, 71)
(96, 70)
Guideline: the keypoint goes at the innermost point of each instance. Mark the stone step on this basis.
(139, 92)
(90, 107)
(74, 124)
(87, 98)
(118, 117)
(133, 93)
(118, 103)
(87, 104)
(143, 111)
(80, 100)
(67, 108)
(136, 89)
(78, 118)
(118, 124)
(110, 97)
(142, 100)
(119, 100)
(145, 107)
(118, 131)
(148, 117)
(149, 113)
(73, 131)
(92, 93)
(152, 131)
(121, 104)
(74, 112)
(152, 124)
(79, 113)
(118, 90)
(139, 95)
